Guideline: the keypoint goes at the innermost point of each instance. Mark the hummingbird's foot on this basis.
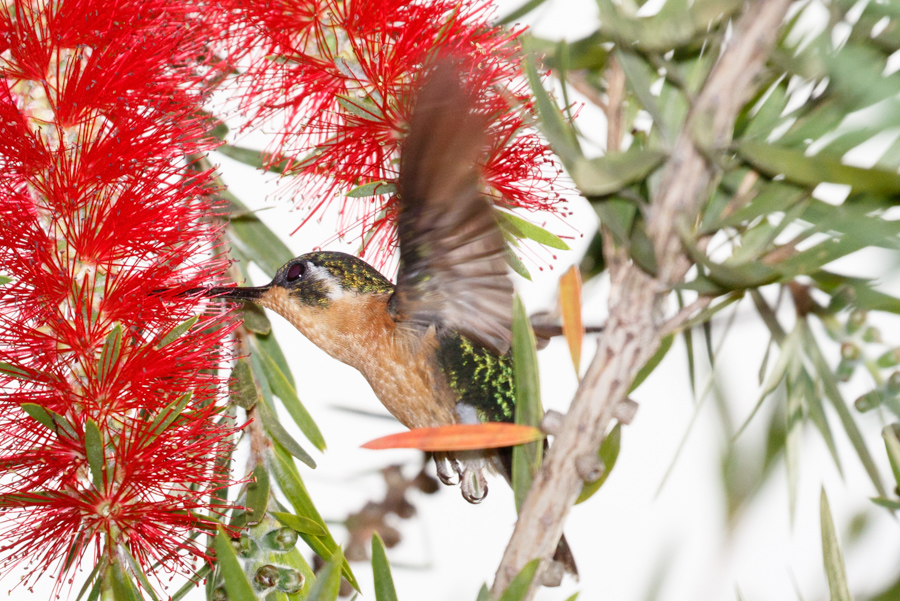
(447, 470)
(473, 483)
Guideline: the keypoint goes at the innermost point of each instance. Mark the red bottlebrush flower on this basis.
(342, 79)
(111, 433)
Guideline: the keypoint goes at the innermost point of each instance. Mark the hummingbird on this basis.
(435, 347)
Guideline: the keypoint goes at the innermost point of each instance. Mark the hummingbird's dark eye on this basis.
(296, 270)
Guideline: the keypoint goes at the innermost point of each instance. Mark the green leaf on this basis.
(40, 414)
(484, 594)
(96, 456)
(138, 572)
(191, 585)
(525, 229)
(123, 588)
(516, 264)
(242, 387)
(363, 108)
(651, 364)
(832, 392)
(609, 453)
(168, 415)
(177, 331)
(831, 550)
(110, 353)
(258, 495)
(270, 345)
(640, 76)
(526, 458)
(273, 426)
(291, 484)
(254, 158)
(285, 391)
(554, 126)
(892, 446)
(813, 170)
(8, 369)
(237, 585)
(4, 280)
(300, 524)
(518, 588)
(256, 240)
(372, 189)
(602, 176)
(886, 503)
(255, 320)
(384, 583)
(328, 580)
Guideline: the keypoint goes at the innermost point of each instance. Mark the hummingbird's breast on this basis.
(400, 364)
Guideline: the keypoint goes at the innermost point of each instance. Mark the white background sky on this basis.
(629, 533)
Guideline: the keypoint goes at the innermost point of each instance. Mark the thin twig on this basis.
(638, 301)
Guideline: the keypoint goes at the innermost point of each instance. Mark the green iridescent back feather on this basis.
(479, 377)
(354, 274)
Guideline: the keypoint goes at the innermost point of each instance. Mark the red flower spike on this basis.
(122, 443)
(343, 81)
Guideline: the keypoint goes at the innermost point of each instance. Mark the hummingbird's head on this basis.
(315, 279)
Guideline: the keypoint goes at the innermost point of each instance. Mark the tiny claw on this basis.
(445, 470)
(474, 485)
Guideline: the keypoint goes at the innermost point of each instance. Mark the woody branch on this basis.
(638, 301)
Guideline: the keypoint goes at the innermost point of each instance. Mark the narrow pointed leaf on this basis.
(254, 158)
(93, 445)
(285, 391)
(651, 364)
(257, 241)
(608, 174)
(242, 387)
(12, 371)
(384, 582)
(886, 503)
(273, 426)
(167, 416)
(372, 189)
(526, 459)
(40, 414)
(258, 495)
(138, 573)
(237, 584)
(328, 580)
(291, 484)
(299, 524)
(518, 588)
(831, 550)
(554, 126)
(525, 229)
(270, 345)
(812, 170)
(833, 393)
(459, 437)
(110, 353)
(177, 331)
(609, 453)
(892, 444)
(123, 588)
(255, 320)
(570, 305)
(484, 594)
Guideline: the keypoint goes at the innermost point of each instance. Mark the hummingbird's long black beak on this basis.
(248, 293)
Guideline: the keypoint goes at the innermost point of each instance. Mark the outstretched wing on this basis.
(452, 267)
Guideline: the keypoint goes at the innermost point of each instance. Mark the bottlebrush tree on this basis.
(114, 436)
(125, 392)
